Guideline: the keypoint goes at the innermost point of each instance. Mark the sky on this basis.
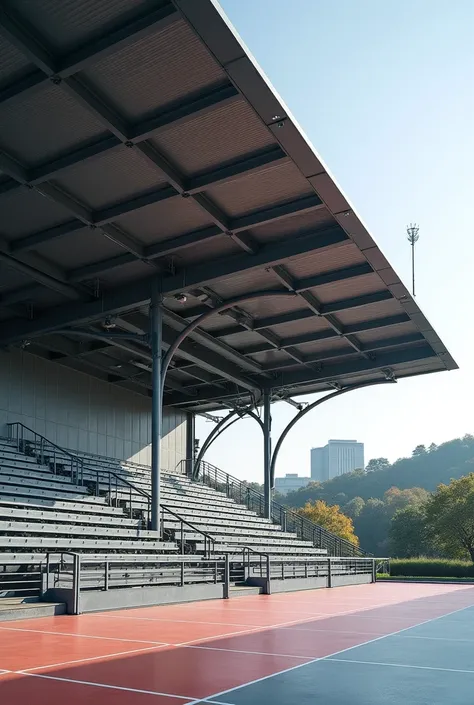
(384, 90)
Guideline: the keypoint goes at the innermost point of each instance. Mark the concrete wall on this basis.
(83, 413)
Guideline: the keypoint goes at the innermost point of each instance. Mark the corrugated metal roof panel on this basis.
(399, 329)
(276, 184)
(350, 288)
(109, 178)
(210, 140)
(253, 280)
(370, 312)
(158, 70)
(40, 126)
(80, 248)
(165, 219)
(129, 272)
(313, 324)
(11, 278)
(217, 247)
(25, 211)
(345, 255)
(67, 23)
(318, 219)
(13, 64)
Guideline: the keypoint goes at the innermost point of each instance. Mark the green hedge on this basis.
(431, 568)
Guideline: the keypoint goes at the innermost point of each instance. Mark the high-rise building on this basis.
(336, 458)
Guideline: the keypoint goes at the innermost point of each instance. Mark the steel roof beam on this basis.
(132, 29)
(330, 355)
(324, 335)
(137, 294)
(357, 366)
(282, 274)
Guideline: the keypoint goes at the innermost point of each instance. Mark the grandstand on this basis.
(171, 245)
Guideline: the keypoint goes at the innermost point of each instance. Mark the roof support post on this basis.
(267, 453)
(312, 406)
(156, 320)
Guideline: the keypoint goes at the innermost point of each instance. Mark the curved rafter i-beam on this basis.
(312, 406)
(220, 428)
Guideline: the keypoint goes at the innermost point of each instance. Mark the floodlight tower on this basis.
(413, 237)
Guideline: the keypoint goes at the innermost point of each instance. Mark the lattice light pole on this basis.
(413, 237)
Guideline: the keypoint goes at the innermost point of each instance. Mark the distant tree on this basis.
(354, 507)
(432, 447)
(341, 498)
(408, 533)
(419, 450)
(450, 517)
(396, 499)
(331, 518)
(377, 464)
(372, 526)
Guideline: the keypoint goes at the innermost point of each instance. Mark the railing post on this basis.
(226, 577)
(329, 574)
(182, 538)
(76, 584)
(106, 575)
(269, 577)
(374, 571)
(182, 573)
(283, 570)
(48, 567)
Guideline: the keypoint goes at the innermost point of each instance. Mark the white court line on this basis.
(93, 658)
(179, 621)
(332, 631)
(251, 653)
(85, 636)
(103, 685)
(321, 658)
(399, 665)
(438, 638)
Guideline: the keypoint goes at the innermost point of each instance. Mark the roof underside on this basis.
(139, 140)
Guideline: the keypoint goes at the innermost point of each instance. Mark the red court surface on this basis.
(193, 652)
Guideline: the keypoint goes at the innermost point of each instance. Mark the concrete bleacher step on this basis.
(29, 543)
(12, 608)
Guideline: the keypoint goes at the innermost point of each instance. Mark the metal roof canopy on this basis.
(140, 140)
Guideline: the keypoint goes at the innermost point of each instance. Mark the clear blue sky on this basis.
(384, 89)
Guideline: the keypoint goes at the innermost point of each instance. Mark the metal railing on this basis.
(289, 520)
(100, 482)
(68, 574)
(60, 461)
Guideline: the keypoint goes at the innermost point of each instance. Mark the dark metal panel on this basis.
(24, 211)
(109, 178)
(377, 310)
(13, 64)
(79, 249)
(42, 126)
(321, 262)
(163, 220)
(380, 334)
(276, 184)
(206, 251)
(213, 139)
(154, 72)
(69, 23)
(315, 219)
(357, 286)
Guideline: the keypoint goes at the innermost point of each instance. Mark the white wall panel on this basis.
(82, 413)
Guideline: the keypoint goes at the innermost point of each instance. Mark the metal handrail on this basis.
(107, 475)
(19, 437)
(285, 517)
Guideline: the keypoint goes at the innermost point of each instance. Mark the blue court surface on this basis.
(428, 664)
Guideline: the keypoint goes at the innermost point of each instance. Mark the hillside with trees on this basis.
(391, 505)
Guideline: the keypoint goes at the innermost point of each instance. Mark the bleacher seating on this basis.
(41, 511)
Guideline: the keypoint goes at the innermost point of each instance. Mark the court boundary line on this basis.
(106, 685)
(210, 698)
(398, 665)
(91, 658)
(85, 636)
